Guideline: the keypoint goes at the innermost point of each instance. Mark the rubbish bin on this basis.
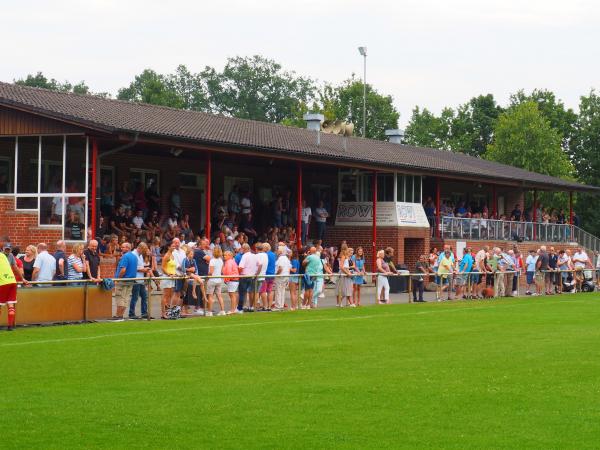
(399, 284)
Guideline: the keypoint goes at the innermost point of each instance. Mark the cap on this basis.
(7, 245)
(230, 238)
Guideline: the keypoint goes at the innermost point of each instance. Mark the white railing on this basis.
(505, 230)
(586, 240)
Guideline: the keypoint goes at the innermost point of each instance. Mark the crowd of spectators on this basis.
(462, 220)
(496, 272)
(137, 218)
(262, 277)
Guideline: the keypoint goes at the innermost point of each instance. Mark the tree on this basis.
(560, 118)
(585, 150)
(345, 102)
(469, 129)
(524, 138)
(426, 130)
(257, 88)
(472, 127)
(151, 87)
(189, 87)
(40, 80)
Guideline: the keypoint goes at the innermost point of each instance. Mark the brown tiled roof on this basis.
(115, 116)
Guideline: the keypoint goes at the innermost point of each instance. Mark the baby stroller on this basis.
(585, 277)
(569, 284)
(588, 281)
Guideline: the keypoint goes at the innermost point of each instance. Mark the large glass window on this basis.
(51, 179)
(7, 164)
(348, 187)
(28, 149)
(408, 188)
(52, 164)
(75, 159)
(357, 186)
(385, 187)
(365, 187)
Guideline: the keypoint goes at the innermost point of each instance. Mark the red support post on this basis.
(571, 208)
(299, 208)
(437, 208)
(208, 193)
(534, 214)
(494, 203)
(94, 187)
(374, 221)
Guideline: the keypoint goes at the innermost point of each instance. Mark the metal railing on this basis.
(505, 230)
(585, 239)
(469, 282)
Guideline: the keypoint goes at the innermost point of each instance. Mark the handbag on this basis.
(308, 282)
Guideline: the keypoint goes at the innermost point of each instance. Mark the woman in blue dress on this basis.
(294, 279)
(359, 268)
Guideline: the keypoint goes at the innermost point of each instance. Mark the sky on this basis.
(427, 53)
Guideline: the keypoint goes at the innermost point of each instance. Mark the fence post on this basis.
(495, 284)
(298, 300)
(148, 283)
(85, 301)
(468, 292)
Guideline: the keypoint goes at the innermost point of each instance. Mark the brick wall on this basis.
(524, 247)
(408, 243)
(22, 227)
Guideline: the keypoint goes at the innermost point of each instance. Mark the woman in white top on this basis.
(213, 287)
(282, 269)
(347, 283)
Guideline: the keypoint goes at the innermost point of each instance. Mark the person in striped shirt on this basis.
(76, 264)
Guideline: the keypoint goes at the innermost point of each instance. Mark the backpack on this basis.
(173, 312)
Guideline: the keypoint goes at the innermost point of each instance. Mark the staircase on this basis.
(588, 241)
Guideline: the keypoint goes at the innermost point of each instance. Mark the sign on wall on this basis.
(388, 214)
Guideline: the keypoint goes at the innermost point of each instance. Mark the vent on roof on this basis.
(314, 122)
(395, 136)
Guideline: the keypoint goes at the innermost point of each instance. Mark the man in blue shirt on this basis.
(127, 268)
(464, 269)
(139, 288)
(270, 271)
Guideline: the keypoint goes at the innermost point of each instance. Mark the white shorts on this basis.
(213, 286)
(232, 286)
(167, 284)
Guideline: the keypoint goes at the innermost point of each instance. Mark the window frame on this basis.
(63, 194)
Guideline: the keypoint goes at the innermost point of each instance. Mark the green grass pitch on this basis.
(514, 373)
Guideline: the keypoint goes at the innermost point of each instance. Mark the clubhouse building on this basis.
(59, 149)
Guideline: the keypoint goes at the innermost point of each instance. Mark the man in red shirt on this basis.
(9, 273)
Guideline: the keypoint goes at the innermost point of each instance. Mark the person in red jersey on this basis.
(8, 282)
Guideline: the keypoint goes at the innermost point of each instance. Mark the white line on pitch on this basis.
(270, 322)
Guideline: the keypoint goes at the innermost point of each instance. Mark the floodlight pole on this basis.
(363, 52)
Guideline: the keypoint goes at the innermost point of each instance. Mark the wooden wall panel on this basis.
(17, 123)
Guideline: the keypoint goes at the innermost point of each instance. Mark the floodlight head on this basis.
(362, 51)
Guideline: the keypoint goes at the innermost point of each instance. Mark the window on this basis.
(28, 152)
(348, 187)
(75, 164)
(191, 180)
(146, 177)
(385, 187)
(357, 186)
(52, 178)
(409, 188)
(7, 161)
(52, 164)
